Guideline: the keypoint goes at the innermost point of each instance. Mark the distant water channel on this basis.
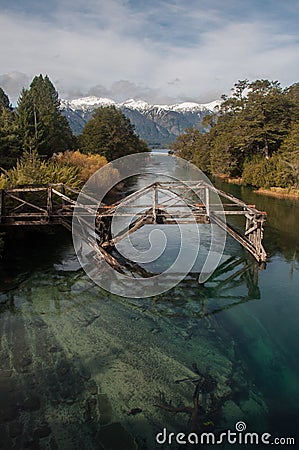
(84, 369)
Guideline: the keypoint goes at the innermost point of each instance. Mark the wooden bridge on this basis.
(164, 202)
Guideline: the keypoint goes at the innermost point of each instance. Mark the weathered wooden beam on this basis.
(25, 222)
(135, 195)
(230, 213)
(10, 215)
(63, 196)
(24, 202)
(138, 224)
(233, 199)
(49, 201)
(93, 200)
(27, 189)
(259, 253)
(250, 230)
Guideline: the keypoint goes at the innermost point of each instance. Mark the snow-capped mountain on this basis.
(156, 124)
(92, 102)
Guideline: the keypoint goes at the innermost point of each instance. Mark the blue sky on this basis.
(161, 51)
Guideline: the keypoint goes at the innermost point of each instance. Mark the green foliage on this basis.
(292, 94)
(254, 135)
(110, 134)
(266, 173)
(4, 100)
(41, 124)
(258, 120)
(31, 169)
(289, 153)
(193, 146)
(9, 134)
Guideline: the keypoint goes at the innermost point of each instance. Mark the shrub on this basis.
(266, 173)
(30, 169)
(86, 164)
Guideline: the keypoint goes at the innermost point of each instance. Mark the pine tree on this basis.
(292, 94)
(9, 136)
(41, 123)
(266, 118)
(4, 100)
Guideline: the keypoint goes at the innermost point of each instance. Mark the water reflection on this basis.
(234, 282)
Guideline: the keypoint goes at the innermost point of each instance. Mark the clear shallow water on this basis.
(82, 369)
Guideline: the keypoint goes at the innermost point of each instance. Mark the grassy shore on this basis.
(279, 192)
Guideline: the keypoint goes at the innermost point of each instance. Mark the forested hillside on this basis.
(254, 135)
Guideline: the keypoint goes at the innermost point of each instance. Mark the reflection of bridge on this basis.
(158, 203)
(234, 282)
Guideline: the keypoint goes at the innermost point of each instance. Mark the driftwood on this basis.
(200, 412)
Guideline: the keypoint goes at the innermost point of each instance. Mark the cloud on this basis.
(124, 89)
(159, 50)
(13, 82)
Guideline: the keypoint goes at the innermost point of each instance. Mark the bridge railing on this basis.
(164, 203)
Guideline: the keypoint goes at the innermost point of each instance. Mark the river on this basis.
(84, 369)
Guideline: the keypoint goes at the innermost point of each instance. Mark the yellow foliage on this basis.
(3, 181)
(87, 164)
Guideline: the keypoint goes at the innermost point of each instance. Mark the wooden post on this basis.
(62, 190)
(49, 202)
(254, 233)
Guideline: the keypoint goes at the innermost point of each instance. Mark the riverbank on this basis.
(278, 192)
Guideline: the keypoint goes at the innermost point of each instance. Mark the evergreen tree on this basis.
(4, 100)
(110, 134)
(223, 159)
(289, 152)
(10, 148)
(266, 118)
(245, 137)
(41, 123)
(193, 146)
(292, 94)
(9, 136)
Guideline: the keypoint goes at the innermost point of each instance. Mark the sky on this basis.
(163, 51)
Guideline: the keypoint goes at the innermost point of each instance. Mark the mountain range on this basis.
(158, 125)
